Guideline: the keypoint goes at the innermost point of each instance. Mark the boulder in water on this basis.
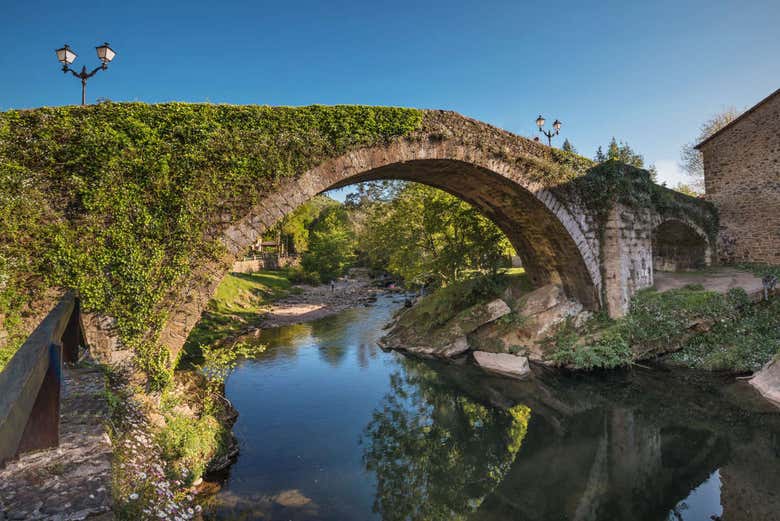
(503, 363)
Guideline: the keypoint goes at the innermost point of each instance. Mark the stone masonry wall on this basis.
(627, 256)
(742, 178)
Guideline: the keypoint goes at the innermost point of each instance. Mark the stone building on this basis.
(742, 178)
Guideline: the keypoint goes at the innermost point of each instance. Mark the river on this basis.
(332, 428)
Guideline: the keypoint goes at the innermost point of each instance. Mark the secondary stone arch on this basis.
(547, 233)
(679, 244)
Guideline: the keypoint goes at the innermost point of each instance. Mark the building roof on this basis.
(740, 117)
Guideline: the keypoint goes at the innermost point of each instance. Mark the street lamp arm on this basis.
(84, 75)
(96, 69)
(67, 69)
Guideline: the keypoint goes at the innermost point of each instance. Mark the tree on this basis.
(568, 147)
(686, 189)
(653, 173)
(293, 230)
(425, 235)
(370, 192)
(691, 159)
(625, 154)
(331, 245)
(622, 151)
(600, 156)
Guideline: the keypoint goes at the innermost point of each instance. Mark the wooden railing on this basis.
(31, 382)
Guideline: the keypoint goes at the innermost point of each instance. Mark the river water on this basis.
(332, 428)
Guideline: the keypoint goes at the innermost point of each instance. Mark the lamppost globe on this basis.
(65, 55)
(557, 126)
(105, 53)
(540, 121)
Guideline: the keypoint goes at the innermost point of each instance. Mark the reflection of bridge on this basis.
(629, 448)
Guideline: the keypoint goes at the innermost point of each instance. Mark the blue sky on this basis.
(645, 72)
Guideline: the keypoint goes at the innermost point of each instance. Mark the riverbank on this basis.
(310, 303)
(246, 303)
(188, 425)
(723, 326)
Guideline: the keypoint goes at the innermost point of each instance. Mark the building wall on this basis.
(742, 178)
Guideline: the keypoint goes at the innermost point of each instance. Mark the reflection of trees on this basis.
(333, 355)
(437, 454)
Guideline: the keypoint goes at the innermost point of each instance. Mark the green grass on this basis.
(239, 301)
(759, 270)
(6, 353)
(241, 292)
(704, 329)
(740, 345)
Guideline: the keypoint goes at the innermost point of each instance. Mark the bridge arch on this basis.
(679, 244)
(550, 235)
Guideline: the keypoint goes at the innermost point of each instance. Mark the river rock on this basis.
(458, 347)
(503, 364)
(539, 314)
(767, 381)
(477, 315)
(449, 340)
(540, 324)
(541, 299)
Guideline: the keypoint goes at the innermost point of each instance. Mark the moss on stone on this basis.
(119, 201)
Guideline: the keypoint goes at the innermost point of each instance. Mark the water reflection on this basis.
(645, 445)
(331, 428)
(437, 454)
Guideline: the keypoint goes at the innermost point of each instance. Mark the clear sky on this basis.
(645, 72)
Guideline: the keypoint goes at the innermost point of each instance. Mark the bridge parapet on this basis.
(31, 382)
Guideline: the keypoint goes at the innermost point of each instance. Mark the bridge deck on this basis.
(72, 481)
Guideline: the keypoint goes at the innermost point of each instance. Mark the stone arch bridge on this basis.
(598, 231)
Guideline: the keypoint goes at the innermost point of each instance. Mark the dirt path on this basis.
(719, 279)
(314, 302)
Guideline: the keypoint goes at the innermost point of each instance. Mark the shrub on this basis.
(191, 443)
(705, 329)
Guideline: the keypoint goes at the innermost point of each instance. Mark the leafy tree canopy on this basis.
(622, 151)
(425, 235)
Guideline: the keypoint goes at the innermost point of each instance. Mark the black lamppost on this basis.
(549, 133)
(66, 56)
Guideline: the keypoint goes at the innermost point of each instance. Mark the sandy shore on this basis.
(314, 302)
